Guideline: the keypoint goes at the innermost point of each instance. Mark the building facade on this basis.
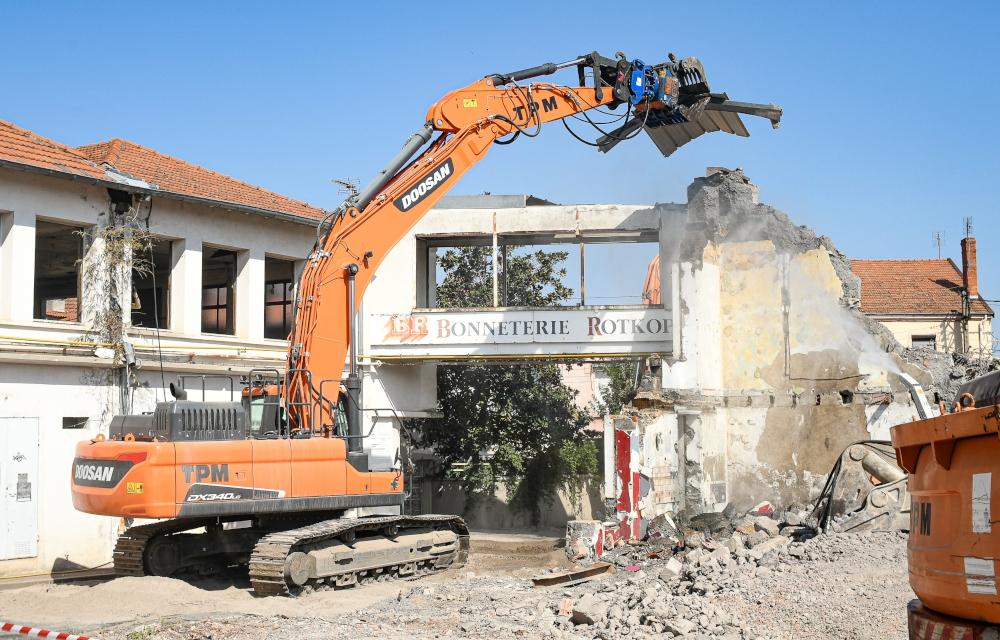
(206, 296)
(929, 303)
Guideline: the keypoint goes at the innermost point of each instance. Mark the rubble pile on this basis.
(677, 591)
(740, 584)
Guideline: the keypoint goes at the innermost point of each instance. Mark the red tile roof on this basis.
(924, 287)
(26, 148)
(177, 176)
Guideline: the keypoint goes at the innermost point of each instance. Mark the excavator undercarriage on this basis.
(289, 557)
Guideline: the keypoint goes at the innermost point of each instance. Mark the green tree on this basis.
(515, 425)
(620, 388)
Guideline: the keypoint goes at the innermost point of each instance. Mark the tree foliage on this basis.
(529, 279)
(511, 425)
(620, 388)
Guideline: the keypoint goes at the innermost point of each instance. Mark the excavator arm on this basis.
(460, 128)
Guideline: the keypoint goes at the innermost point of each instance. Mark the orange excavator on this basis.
(281, 481)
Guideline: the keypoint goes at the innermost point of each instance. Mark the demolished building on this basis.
(775, 370)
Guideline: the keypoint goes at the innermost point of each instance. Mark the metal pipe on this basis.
(875, 464)
(355, 439)
(413, 144)
(352, 272)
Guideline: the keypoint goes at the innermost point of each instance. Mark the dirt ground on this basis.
(859, 591)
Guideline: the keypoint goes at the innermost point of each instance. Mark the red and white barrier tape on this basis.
(41, 633)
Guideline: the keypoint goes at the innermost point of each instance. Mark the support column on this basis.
(17, 266)
(250, 294)
(185, 286)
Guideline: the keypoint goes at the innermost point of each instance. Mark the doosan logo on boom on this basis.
(425, 187)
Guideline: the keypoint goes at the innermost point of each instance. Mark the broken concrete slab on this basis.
(767, 546)
(672, 570)
(766, 524)
(589, 609)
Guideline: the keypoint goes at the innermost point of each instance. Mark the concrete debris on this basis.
(829, 586)
(683, 599)
(672, 570)
(589, 609)
(766, 524)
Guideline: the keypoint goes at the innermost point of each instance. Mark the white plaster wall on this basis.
(660, 459)
(50, 393)
(697, 325)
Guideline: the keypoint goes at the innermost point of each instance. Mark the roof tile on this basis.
(175, 175)
(926, 287)
(21, 146)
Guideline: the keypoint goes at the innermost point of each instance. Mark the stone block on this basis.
(672, 570)
(589, 610)
(767, 525)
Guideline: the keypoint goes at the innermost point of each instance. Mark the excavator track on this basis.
(278, 564)
(130, 549)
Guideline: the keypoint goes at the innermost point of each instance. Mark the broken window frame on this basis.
(229, 286)
(921, 340)
(287, 297)
(39, 302)
(428, 246)
(162, 306)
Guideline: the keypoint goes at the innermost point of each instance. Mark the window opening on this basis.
(600, 269)
(75, 422)
(218, 299)
(58, 254)
(279, 295)
(151, 286)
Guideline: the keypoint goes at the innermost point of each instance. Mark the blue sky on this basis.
(889, 131)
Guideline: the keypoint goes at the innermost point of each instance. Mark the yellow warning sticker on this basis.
(133, 487)
(470, 103)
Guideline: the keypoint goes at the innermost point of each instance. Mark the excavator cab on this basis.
(262, 398)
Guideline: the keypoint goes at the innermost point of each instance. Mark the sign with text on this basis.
(562, 332)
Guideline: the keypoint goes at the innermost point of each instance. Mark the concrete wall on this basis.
(493, 513)
(774, 374)
(50, 393)
(949, 333)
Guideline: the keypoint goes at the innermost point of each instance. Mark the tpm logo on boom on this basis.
(199, 472)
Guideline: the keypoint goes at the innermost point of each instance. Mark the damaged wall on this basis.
(774, 370)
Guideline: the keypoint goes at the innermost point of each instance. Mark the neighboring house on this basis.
(929, 303)
(216, 297)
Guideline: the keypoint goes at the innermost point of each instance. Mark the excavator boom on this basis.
(669, 101)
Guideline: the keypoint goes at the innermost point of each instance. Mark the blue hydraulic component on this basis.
(646, 83)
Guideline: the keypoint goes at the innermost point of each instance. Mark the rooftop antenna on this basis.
(348, 186)
(968, 227)
(938, 239)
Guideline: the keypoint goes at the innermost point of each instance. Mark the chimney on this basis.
(970, 279)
